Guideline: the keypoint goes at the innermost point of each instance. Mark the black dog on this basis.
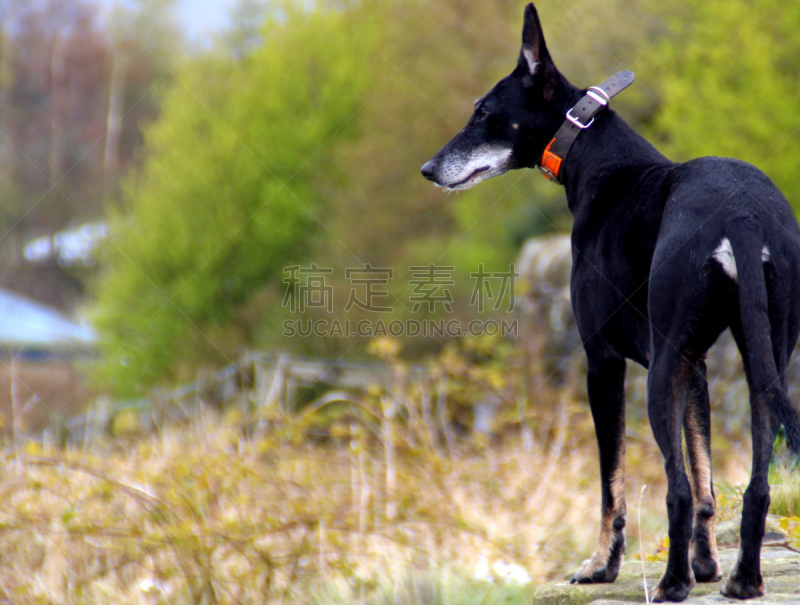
(665, 257)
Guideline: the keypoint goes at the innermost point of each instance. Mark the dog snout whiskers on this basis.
(472, 175)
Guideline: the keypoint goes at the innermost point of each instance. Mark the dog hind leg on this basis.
(745, 580)
(697, 428)
(765, 334)
(668, 386)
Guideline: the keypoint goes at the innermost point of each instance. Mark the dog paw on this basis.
(594, 572)
(671, 591)
(706, 570)
(740, 587)
(604, 565)
(703, 548)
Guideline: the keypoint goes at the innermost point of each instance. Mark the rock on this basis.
(728, 531)
(780, 568)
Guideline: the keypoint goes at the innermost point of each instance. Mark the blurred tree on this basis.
(244, 33)
(67, 76)
(322, 118)
(730, 72)
(437, 58)
(229, 193)
(76, 81)
(144, 45)
(53, 74)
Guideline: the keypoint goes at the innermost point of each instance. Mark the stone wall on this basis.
(549, 329)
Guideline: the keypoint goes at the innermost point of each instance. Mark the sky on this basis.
(198, 16)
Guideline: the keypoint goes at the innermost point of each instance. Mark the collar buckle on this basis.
(550, 164)
(549, 175)
(577, 122)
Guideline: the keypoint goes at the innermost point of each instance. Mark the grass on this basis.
(377, 508)
(207, 514)
(443, 588)
(785, 490)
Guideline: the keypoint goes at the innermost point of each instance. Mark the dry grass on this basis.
(785, 492)
(205, 514)
(379, 507)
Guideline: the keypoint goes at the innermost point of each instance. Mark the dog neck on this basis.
(606, 157)
(579, 117)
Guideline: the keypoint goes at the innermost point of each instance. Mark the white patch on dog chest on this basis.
(724, 256)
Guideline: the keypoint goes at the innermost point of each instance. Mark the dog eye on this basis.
(481, 114)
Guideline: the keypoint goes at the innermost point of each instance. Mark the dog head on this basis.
(512, 123)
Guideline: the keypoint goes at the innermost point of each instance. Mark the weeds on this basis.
(211, 518)
(785, 492)
(379, 498)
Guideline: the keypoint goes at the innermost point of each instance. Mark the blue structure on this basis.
(33, 329)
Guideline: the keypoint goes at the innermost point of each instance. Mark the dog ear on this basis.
(534, 50)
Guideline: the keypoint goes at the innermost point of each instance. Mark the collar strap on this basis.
(579, 118)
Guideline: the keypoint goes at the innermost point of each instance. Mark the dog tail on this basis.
(747, 244)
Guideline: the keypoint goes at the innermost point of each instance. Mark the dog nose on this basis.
(428, 169)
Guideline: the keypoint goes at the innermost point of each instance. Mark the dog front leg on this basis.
(606, 382)
(668, 383)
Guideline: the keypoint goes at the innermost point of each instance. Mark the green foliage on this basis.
(785, 490)
(324, 119)
(791, 526)
(403, 501)
(230, 192)
(436, 59)
(211, 512)
(439, 588)
(236, 506)
(729, 74)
